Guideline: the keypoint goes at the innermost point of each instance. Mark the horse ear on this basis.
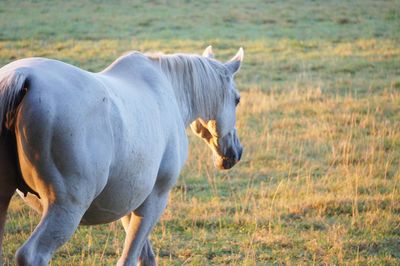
(208, 52)
(233, 65)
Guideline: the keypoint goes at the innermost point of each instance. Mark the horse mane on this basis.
(199, 83)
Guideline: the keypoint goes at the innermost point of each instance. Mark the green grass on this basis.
(199, 20)
(319, 120)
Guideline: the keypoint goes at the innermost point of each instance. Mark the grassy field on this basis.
(319, 120)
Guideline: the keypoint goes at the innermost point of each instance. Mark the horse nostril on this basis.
(240, 153)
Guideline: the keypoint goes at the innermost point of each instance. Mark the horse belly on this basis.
(120, 196)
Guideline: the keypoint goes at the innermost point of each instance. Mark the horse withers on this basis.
(91, 148)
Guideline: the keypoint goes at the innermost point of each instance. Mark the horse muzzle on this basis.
(232, 157)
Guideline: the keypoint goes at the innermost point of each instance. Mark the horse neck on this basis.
(195, 84)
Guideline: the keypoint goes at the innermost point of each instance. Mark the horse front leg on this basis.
(137, 247)
(147, 256)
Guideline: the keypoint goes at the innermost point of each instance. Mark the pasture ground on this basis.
(319, 120)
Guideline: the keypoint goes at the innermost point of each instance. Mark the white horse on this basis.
(91, 148)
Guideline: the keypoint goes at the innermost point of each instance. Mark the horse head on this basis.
(220, 131)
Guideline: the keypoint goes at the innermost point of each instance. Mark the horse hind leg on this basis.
(65, 199)
(58, 223)
(5, 198)
(8, 176)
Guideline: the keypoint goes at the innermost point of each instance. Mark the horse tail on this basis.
(12, 89)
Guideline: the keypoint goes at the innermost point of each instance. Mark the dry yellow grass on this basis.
(319, 120)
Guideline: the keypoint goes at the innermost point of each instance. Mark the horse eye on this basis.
(237, 101)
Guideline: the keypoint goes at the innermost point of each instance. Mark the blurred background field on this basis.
(319, 120)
